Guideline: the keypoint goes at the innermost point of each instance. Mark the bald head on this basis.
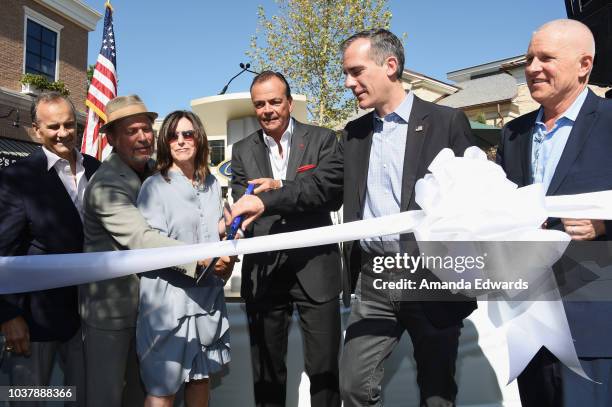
(559, 62)
(573, 33)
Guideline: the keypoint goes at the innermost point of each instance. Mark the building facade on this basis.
(41, 37)
(495, 92)
(427, 88)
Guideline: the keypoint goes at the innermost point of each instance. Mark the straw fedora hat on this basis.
(125, 106)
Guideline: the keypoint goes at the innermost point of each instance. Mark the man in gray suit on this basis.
(112, 222)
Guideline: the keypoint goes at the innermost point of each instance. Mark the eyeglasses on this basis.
(188, 135)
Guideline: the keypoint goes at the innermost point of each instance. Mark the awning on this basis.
(12, 150)
(486, 136)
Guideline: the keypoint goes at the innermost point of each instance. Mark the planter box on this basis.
(30, 89)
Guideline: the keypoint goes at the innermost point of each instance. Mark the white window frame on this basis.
(35, 16)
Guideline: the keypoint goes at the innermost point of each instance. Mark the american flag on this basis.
(103, 88)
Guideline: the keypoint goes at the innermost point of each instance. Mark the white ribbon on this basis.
(463, 199)
(33, 273)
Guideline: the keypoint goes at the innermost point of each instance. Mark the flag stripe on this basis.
(106, 64)
(106, 72)
(91, 128)
(95, 109)
(98, 94)
(95, 102)
(103, 82)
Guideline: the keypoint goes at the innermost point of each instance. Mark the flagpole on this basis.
(99, 153)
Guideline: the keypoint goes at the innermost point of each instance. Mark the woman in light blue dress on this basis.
(182, 330)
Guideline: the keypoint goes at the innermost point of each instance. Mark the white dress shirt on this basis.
(75, 185)
(279, 162)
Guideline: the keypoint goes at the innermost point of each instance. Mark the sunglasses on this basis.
(188, 135)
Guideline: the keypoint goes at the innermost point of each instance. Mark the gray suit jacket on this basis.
(112, 222)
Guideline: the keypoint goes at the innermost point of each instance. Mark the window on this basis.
(41, 52)
(217, 151)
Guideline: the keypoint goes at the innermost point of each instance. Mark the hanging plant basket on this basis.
(34, 84)
(30, 89)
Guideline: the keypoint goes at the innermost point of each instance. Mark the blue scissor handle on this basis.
(238, 220)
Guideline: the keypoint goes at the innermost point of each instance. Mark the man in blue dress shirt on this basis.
(380, 157)
(566, 145)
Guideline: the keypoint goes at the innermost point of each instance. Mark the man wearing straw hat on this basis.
(113, 222)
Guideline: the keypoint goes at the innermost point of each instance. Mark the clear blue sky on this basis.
(170, 52)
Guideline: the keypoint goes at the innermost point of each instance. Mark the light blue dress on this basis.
(182, 330)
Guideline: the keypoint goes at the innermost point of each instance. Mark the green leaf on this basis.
(303, 42)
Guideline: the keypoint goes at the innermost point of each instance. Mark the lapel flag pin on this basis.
(419, 128)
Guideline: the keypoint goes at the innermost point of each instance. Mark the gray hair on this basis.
(383, 44)
(48, 97)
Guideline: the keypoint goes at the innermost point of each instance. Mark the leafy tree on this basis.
(90, 73)
(302, 41)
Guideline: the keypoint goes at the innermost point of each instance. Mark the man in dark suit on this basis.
(383, 154)
(41, 213)
(283, 151)
(566, 145)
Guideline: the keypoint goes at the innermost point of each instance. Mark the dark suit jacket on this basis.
(585, 166)
(438, 127)
(347, 171)
(317, 268)
(37, 216)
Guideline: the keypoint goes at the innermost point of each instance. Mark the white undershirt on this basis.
(74, 187)
(278, 162)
